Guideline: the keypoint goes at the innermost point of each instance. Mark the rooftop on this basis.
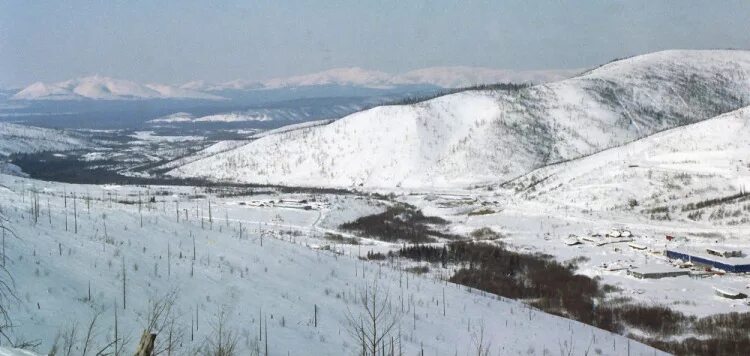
(744, 260)
(656, 268)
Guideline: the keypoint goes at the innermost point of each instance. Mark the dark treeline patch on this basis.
(377, 256)
(69, 169)
(555, 288)
(537, 278)
(716, 201)
(340, 239)
(399, 222)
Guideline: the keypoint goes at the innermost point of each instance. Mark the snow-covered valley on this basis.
(257, 258)
(557, 195)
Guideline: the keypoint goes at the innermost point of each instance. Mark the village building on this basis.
(655, 271)
(727, 260)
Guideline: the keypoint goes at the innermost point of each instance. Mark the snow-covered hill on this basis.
(480, 136)
(672, 175)
(104, 88)
(26, 139)
(74, 259)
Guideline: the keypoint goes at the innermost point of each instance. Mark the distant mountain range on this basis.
(105, 88)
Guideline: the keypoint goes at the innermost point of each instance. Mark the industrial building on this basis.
(657, 271)
(714, 260)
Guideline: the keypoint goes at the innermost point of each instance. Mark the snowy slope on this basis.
(55, 266)
(98, 87)
(672, 169)
(25, 139)
(474, 137)
(4, 351)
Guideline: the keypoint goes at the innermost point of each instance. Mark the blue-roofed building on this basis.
(729, 264)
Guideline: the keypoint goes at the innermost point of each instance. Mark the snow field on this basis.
(285, 282)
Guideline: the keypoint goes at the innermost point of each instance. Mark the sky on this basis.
(175, 41)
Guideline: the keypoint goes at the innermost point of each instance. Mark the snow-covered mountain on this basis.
(26, 139)
(665, 175)
(354, 76)
(481, 136)
(445, 77)
(105, 88)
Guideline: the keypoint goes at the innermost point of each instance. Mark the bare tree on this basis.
(161, 321)
(374, 321)
(91, 332)
(222, 342)
(69, 337)
(86, 344)
(6, 282)
(480, 345)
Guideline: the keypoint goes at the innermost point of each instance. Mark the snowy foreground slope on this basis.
(253, 280)
(25, 139)
(4, 351)
(480, 136)
(667, 173)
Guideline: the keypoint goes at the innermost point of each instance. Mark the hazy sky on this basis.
(176, 41)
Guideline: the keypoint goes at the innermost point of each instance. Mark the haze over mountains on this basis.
(476, 137)
(105, 88)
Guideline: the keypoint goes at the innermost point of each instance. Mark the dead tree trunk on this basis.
(146, 346)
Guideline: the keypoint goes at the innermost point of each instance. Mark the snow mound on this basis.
(477, 137)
